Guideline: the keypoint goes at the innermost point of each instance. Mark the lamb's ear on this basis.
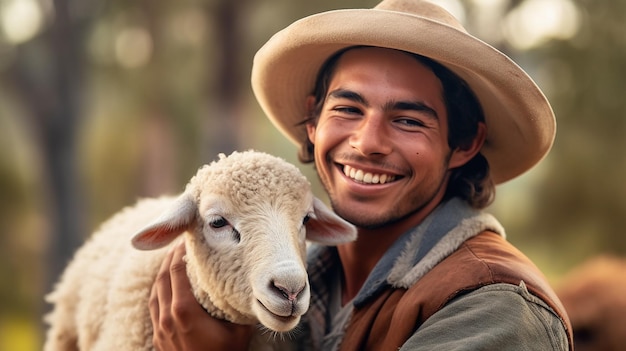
(173, 222)
(328, 228)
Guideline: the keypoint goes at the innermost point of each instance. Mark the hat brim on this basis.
(520, 122)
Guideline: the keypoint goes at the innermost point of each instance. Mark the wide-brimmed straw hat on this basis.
(520, 122)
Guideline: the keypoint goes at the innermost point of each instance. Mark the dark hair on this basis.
(471, 181)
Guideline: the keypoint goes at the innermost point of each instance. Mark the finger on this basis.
(161, 278)
(163, 283)
(178, 274)
(153, 305)
(185, 307)
(181, 287)
(161, 295)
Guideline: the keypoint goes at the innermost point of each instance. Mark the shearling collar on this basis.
(420, 249)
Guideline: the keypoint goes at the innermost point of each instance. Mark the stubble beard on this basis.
(393, 215)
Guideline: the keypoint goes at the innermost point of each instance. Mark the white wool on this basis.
(242, 221)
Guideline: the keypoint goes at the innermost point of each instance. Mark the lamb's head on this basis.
(248, 216)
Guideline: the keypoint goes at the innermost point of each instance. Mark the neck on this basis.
(358, 258)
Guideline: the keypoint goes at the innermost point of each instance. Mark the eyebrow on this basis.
(417, 106)
(347, 94)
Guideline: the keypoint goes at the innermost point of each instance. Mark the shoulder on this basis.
(490, 265)
(485, 259)
(499, 316)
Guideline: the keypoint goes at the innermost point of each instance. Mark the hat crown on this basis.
(423, 9)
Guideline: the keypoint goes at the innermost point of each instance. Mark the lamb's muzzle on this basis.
(282, 295)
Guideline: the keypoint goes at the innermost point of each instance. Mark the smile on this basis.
(367, 177)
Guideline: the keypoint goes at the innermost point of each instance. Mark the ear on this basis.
(173, 222)
(461, 156)
(328, 228)
(310, 127)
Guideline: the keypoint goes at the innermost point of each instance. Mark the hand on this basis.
(179, 321)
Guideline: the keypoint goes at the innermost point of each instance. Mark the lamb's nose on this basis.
(289, 293)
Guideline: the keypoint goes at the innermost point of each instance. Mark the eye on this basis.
(410, 122)
(218, 223)
(222, 230)
(349, 110)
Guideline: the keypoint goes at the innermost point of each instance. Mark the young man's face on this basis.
(381, 146)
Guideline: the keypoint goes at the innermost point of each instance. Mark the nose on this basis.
(371, 136)
(289, 293)
(288, 281)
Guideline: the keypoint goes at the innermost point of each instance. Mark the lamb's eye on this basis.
(219, 223)
(306, 219)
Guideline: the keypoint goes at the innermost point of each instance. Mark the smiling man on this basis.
(410, 122)
(384, 116)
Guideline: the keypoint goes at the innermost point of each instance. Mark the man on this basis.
(410, 122)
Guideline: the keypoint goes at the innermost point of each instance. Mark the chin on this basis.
(361, 220)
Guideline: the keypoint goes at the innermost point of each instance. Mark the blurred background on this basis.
(103, 102)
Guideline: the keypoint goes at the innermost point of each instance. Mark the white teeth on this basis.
(359, 175)
(368, 178)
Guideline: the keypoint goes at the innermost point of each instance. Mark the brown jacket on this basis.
(391, 319)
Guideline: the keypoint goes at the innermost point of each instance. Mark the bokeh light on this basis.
(534, 22)
(133, 47)
(21, 20)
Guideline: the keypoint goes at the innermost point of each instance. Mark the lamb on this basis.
(245, 219)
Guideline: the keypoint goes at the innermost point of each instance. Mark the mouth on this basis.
(366, 177)
(283, 318)
(276, 322)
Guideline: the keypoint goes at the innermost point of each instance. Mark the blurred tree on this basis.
(580, 209)
(573, 204)
(47, 78)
